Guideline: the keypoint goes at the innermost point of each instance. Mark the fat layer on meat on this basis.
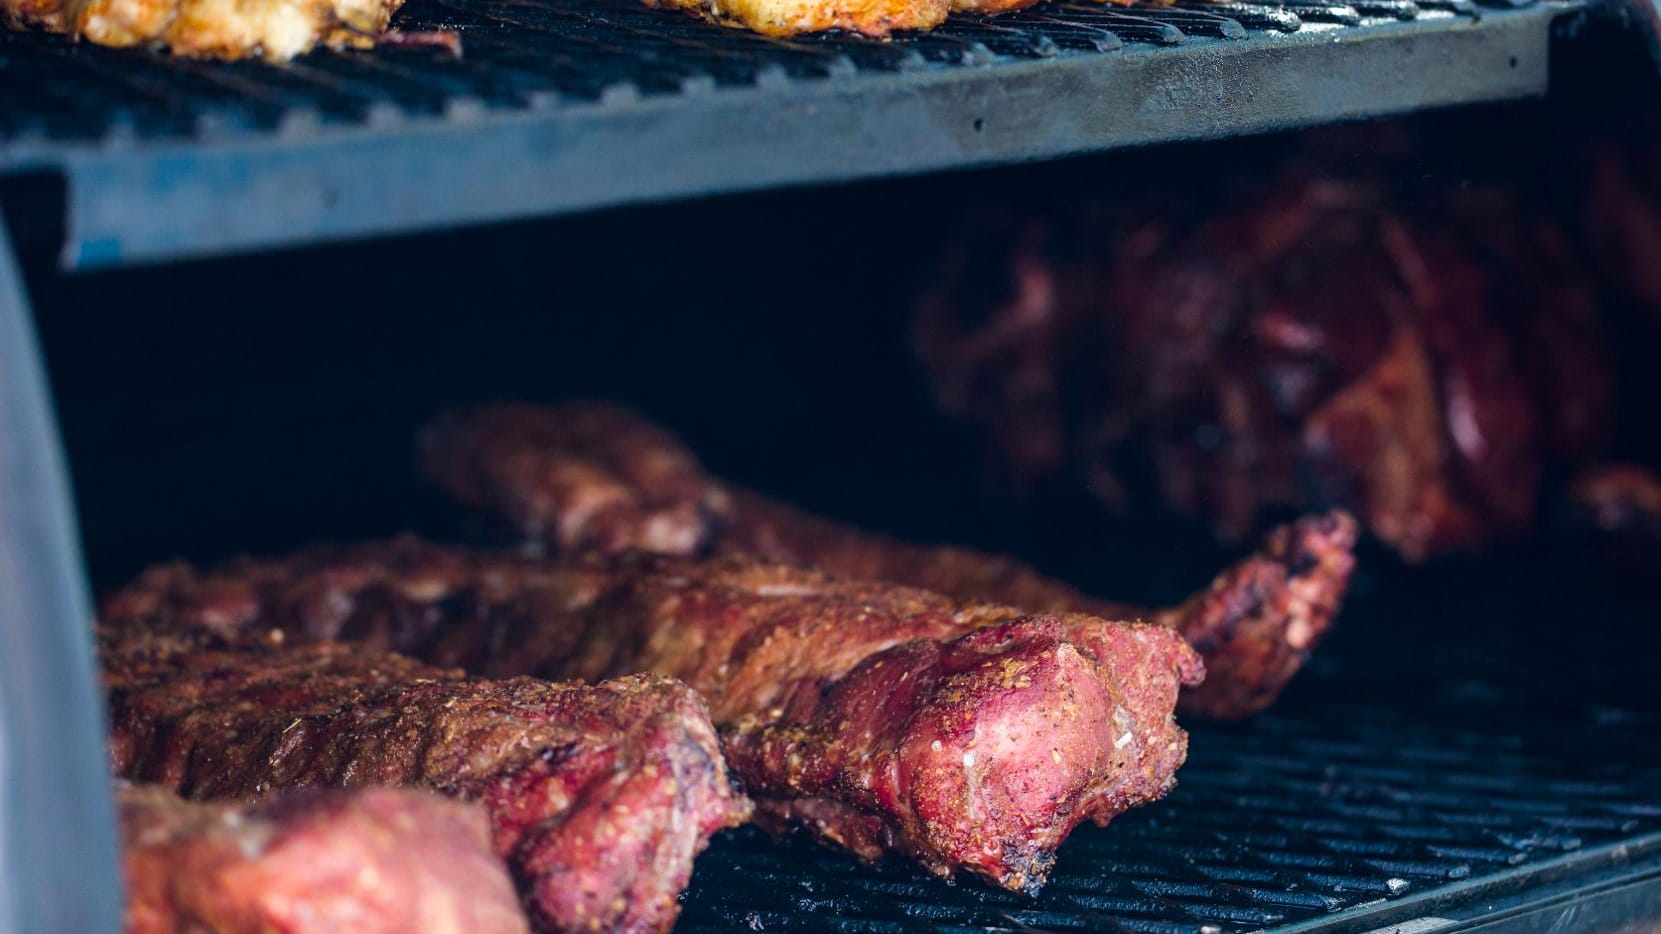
(374, 860)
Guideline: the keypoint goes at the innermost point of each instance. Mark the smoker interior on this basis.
(1469, 746)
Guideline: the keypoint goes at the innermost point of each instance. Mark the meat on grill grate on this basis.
(230, 29)
(598, 797)
(373, 860)
(1615, 509)
(1424, 363)
(879, 718)
(597, 477)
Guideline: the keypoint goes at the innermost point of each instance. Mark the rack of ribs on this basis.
(596, 477)
(598, 797)
(375, 861)
(1347, 331)
(880, 718)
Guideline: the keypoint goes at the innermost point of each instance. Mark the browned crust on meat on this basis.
(874, 18)
(885, 719)
(599, 797)
(224, 29)
(599, 477)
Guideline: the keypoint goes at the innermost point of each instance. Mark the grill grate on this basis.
(561, 106)
(1289, 820)
(535, 54)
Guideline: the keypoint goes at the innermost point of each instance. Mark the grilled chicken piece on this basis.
(598, 797)
(883, 719)
(276, 30)
(596, 477)
(876, 18)
(794, 17)
(376, 861)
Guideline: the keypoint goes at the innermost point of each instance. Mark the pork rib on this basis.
(376, 861)
(599, 797)
(598, 477)
(880, 718)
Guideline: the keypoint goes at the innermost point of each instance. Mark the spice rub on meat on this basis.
(881, 718)
(598, 796)
(597, 477)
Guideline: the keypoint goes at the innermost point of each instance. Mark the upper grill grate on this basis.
(539, 54)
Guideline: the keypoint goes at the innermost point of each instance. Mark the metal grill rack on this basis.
(1290, 824)
(561, 106)
(567, 105)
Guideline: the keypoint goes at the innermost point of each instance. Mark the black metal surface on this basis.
(563, 106)
(531, 55)
(1343, 822)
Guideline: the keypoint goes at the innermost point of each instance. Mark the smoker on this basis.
(250, 282)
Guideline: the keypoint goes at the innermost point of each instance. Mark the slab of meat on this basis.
(376, 861)
(1614, 510)
(596, 477)
(880, 718)
(1422, 356)
(1621, 207)
(598, 797)
(229, 29)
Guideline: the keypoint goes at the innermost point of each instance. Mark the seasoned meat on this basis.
(273, 29)
(1622, 210)
(596, 477)
(1616, 510)
(598, 797)
(372, 860)
(970, 737)
(877, 18)
(793, 17)
(1422, 362)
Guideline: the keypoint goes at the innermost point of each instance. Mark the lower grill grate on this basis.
(1283, 821)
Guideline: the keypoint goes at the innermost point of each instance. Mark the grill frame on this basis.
(148, 180)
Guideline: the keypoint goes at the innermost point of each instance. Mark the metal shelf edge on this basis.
(141, 202)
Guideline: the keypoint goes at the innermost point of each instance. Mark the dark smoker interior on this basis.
(1473, 731)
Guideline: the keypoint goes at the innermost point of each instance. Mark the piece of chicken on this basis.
(792, 17)
(276, 30)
